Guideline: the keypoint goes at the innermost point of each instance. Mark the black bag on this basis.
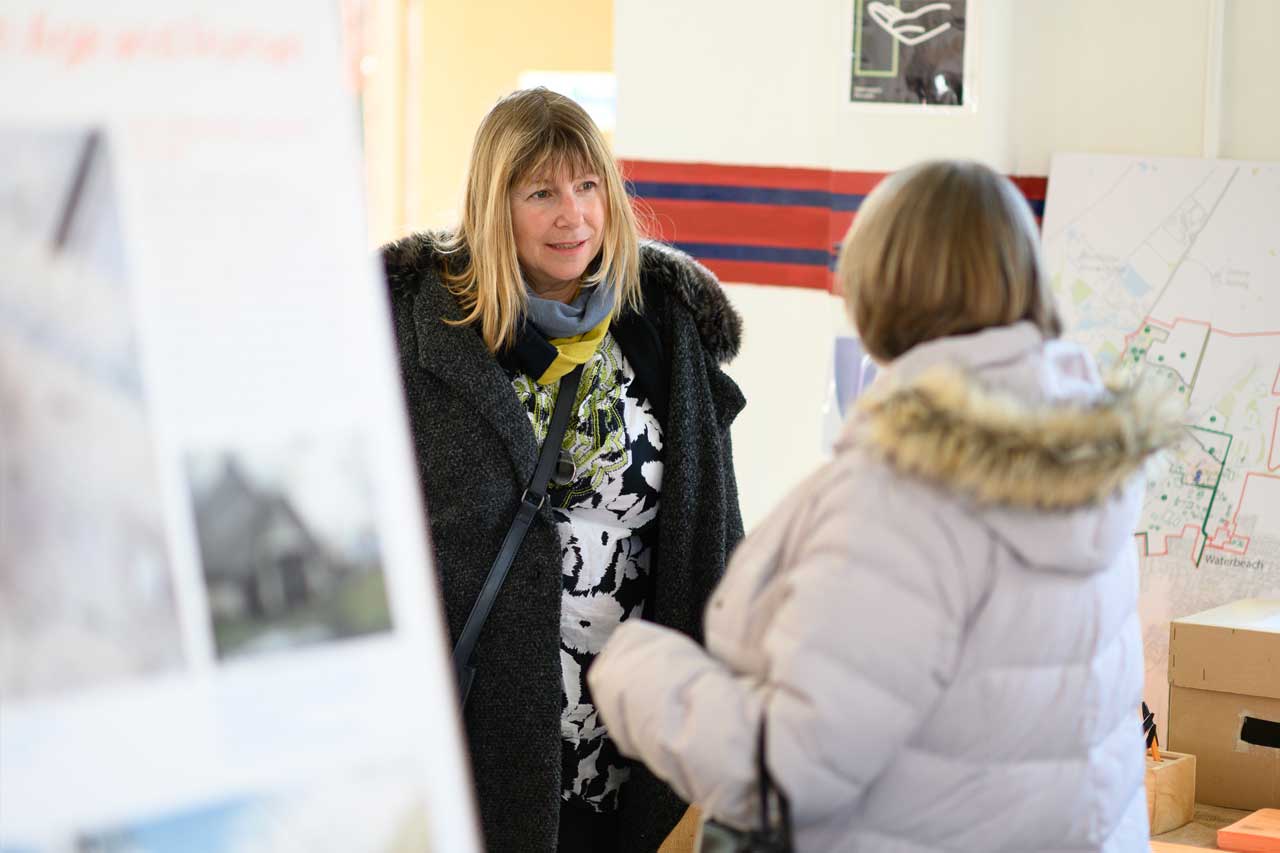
(716, 837)
(530, 502)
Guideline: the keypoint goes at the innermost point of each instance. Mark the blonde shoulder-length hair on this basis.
(946, 247)
(530, 133)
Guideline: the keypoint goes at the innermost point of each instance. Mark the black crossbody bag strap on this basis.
(530, 502)
(772, 838)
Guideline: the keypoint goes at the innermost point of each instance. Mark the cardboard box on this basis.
(1171, 791)
(1224, 701)
(1257, 833)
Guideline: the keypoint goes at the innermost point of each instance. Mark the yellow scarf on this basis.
(573, 351)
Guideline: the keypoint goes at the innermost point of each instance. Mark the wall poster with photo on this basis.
(909, 52)
(219, 628)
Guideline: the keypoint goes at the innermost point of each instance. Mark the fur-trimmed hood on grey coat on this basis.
(476, 453)
(940, 626)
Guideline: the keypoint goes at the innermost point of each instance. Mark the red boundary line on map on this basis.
(1275, 426)
(1228, 532)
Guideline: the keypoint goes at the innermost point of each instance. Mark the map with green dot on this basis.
(1168, 268)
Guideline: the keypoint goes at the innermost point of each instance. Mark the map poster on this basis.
(908, 52)
(218, 625)
(1169, 267)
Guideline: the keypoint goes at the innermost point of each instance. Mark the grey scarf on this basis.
(560, 320)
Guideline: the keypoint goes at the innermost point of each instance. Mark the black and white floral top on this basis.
(607, 518)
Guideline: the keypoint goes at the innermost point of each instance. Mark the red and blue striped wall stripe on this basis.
(748, 195)
(760, 224)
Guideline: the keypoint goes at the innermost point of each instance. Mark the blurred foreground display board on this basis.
(218, 624)
(1169, 267)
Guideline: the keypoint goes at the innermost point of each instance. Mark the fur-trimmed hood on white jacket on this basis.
(940, 625)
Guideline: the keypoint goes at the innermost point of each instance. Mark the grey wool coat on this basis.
(476, 452)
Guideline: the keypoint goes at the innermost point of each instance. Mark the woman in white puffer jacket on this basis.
(939, 626)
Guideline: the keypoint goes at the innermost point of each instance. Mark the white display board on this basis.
(219, 629)
(1171, 267)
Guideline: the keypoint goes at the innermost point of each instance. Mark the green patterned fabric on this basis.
(606, 515)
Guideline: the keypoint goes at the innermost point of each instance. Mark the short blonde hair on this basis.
(943, 248)
(529, 133)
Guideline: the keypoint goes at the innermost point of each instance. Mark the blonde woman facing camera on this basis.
(939, 628)
(544, 273)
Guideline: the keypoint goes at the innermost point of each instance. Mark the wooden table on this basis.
(1202, 832)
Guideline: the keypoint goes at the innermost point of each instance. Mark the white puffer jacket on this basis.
(941, 624)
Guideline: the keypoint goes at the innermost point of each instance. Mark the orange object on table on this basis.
(1257, 833)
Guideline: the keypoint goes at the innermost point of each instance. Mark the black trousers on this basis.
(584, 831)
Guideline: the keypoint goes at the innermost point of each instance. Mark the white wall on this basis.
(1131, 78)
(722, 81)
(785, 362)
(1251, 81)
(761, 82)
(764, 83)
(1107, 77)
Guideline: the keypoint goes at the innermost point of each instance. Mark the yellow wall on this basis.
(472, 51)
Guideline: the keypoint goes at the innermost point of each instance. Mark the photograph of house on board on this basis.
(84, 569)
(288, 549)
